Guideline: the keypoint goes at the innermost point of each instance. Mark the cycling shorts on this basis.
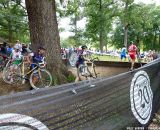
(132, 56)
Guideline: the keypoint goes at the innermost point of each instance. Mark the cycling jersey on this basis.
(132, 51)
(80, 58)
(37, 58)
(16, 56)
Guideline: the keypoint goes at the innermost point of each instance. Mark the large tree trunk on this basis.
(126, 24)
(101, 41)
(10, 32)
(101, 38)
(159, 39)
(44, 32)
(126, 35)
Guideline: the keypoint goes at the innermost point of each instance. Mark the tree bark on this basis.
(101, 38)
(10, 32)
(126, 25)
(44, 32)
(125, 35)
(159, 39)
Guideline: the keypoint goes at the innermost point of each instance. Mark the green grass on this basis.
(110, 58)
(113, 58)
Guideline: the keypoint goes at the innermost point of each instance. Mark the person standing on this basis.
(132, 50)
(123, 53)
(80, 61)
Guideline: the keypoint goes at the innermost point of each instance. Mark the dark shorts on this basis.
(123, 56)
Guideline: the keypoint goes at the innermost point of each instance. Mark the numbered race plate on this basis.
(141, 97)
(73, 59)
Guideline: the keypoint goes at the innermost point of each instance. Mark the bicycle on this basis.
(38, 72)
(84, 70)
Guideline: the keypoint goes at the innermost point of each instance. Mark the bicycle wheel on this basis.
(83, 71)
(40, 78)
(12, 74)
(1, 63)
(8, 64)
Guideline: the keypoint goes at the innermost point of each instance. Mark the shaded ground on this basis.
(11, 88)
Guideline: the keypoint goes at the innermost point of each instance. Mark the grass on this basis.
(110, 58)
(113, 58)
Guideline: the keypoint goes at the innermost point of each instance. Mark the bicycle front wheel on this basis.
(12, 74)
(40, 78)
(83, 71)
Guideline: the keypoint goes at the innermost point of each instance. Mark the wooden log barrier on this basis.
(121, 102)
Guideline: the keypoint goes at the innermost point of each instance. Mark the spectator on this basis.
(9, 50)
(123, 53)
(132, 49)
(154, 55)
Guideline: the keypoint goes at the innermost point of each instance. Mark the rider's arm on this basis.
(85, 58)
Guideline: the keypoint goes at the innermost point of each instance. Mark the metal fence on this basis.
(115, 103)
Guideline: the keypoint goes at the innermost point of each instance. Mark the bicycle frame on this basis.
(30, 71)
(92, 72)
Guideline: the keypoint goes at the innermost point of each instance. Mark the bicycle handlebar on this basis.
(40, 65)
(95, 58)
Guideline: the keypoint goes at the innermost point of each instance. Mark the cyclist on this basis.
(19, 44)
(16, 55)
(81, 60)
(16, 59)
(37, 58)
(132, 50)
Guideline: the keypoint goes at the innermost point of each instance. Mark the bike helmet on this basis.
(16, 47)
(84, 47)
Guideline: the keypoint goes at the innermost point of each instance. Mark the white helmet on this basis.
(16, 47)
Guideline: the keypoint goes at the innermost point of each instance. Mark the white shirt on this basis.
(16, 55)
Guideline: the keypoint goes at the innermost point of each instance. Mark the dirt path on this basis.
(105, 71)
(11, 88)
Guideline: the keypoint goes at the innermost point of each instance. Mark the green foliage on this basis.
(100, 15)
(143, 27)
(71, 78)
(107, 21)
(74, 10)
(13, 23)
